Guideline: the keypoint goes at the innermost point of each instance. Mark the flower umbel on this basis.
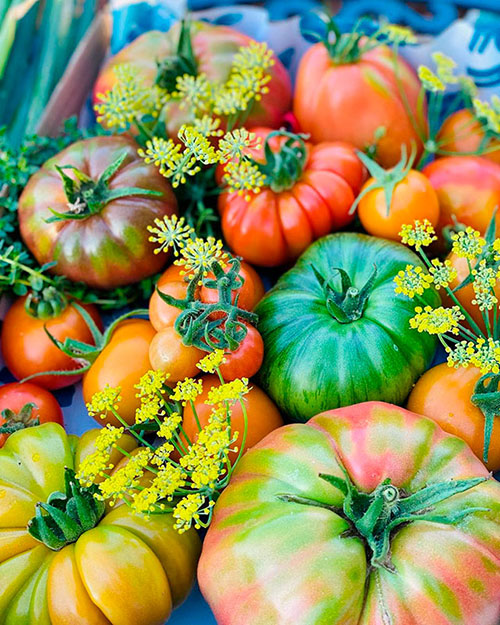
(445, 67)
(198, 255)
(212, 361)
(104, 401)
(468, 243)
(187, 390)
(420, 234)
(429, 80)
(437, 320)
(412, 281)
(443, 273)
(170, 232)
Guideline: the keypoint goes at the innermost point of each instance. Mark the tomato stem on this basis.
(486, 397)
(181, 63)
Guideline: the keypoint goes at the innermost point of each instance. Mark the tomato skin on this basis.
(284, 563)
(272, 228)
(27, 349)
(263, 415)
(461, 132)
(171, 282)
(249, 295)
(110, 248)
(413, 198)
(349, 102)
(168, 353)
(15, 396)
(214, 47)
(247, 359)
(123, 361)
(444, 395)
(129, 569)
(467, 187)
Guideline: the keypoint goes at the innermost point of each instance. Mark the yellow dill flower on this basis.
(219, 414)
(152, 383)
(189, 510)
(207, 473)
(412, 281)
(429, 79)
(169, 158)
(144, 501)
(198, 255)
(230, 391)
(485, 276)
(229, 100)
(216, 438)
(468, 86)
(394, 33)
(445, 67)
(254, 57)
(496, 249)
(488, 114)
(170, 425)
(437, 320)
(442, 273)
(208, 126)
(194, 92)
(170, 232)
(461, 354)
(168, 480)
(108, 438)
(197, 145)
(124, 481)
(468, 244)
(485, 300)
(419, 234)
(151, 407)
(486, 356)
(235, 143)
(251, 85)
(187, 390)
(93, 466)
(162, 454)
(243, 177)
(104, 401)
(212, 361)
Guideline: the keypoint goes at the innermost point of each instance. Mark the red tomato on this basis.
(275, 227)
(462, 133)
(468, 188)
(28, 350)
(349, 101)
(24, 403)
(247, 359)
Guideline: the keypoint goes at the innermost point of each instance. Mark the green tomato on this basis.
(335, 332)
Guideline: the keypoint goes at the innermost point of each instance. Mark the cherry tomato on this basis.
(263, 415)
(249, 295)
(28, 350)
(25, 403)
(171, 283)
(123, 361)
(247, 359)
(168, 353)
(444, 395)
(413, 198)
(462, 133)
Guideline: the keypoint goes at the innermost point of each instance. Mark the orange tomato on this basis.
(27, 349)
(168, 353)
(263, 415)
(123, 361)
(172, 283)
(462, 133)
(444, 395)
(413, 198)
(249, 295)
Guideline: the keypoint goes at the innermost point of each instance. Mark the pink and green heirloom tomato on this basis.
(67, 560)
(87, 211)
(366, 515)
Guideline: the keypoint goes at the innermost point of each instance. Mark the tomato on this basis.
(27, 349)
(245, 361)
(168, 353)
(468, 188)
(249, 295)
(462, 133)
(100, 237)
(25, 405)
(413, 198)
(319, 355)
(274, 227)
(262, 415)
(444, 395)
(214, 47)
(171, 283)
(348, 101)
(292, 542)
(126, 568)
(123, 361)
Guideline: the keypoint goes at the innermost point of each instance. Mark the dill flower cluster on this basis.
(173, 474)
(465, 342)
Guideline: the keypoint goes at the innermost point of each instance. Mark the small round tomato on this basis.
(413, 198)
(245, 361)
(444, 395)
(123, 361)
(172, 283)
(262, 415)
(249, 295)
(27, 350)
(468, 190)
(168, 353)
(461, 133)
(24, 405)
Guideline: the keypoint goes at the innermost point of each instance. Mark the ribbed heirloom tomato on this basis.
(366, 515)
(308, 192)
(107, 567)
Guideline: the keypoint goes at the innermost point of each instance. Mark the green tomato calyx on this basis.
(349, 303)
(181, 63)
(87, 197)
(66, 516)
(47, 303)
(486, 397)
(284, 167)
(374, 516)
(14, 421)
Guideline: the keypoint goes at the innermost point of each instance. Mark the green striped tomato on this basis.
(319, 358)
(285, 548)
